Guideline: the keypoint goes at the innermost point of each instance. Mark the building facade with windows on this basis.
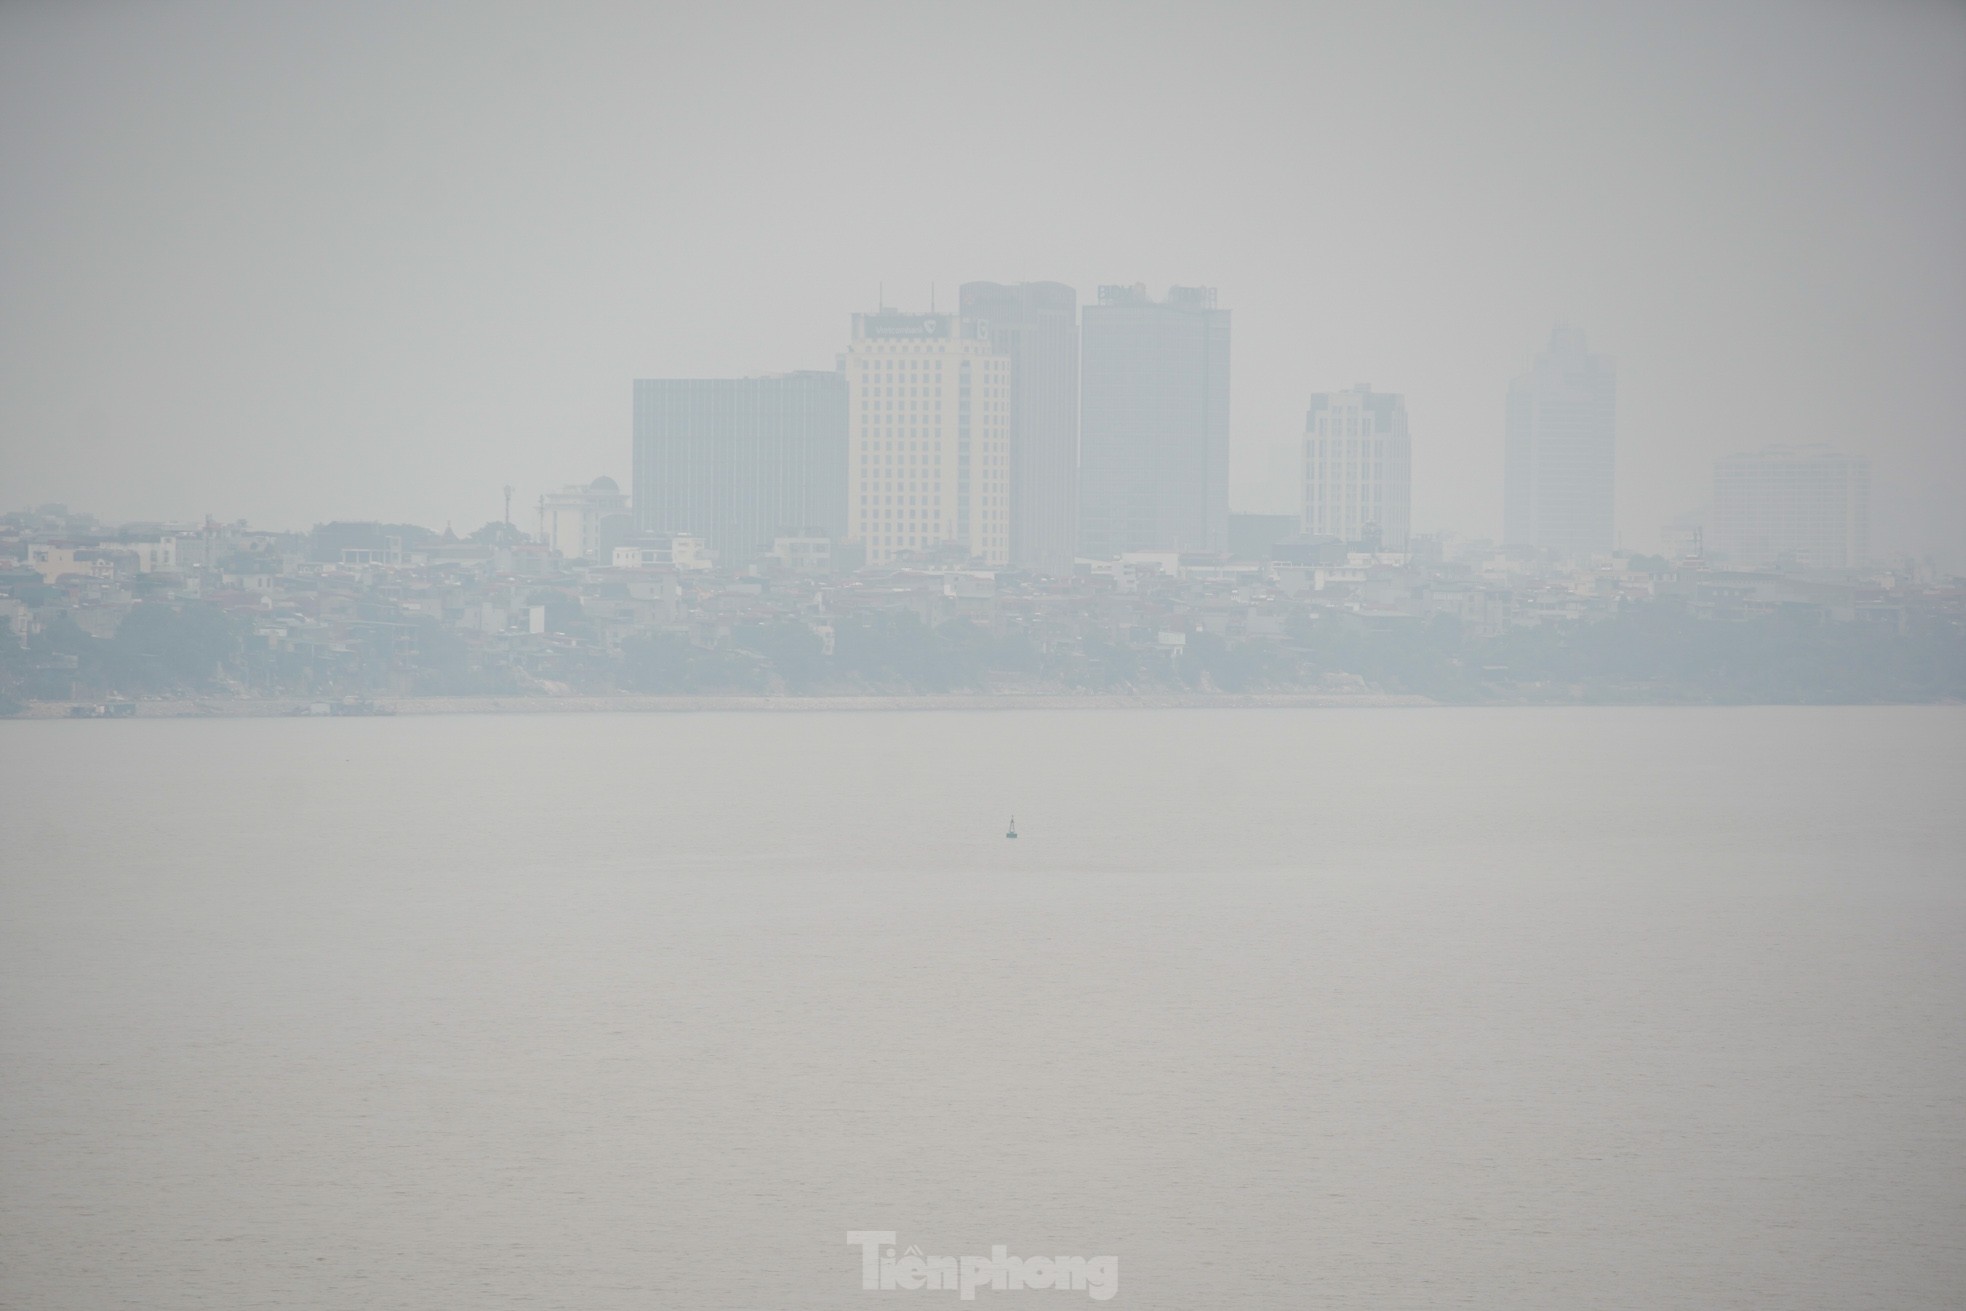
(570, 520)
(1153, 423)
(928, 417)
(1560, 455)
(741, 462)
(1036, 324)
(1358, 468)
(1807, 507)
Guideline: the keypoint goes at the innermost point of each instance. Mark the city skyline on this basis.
(400, 304)
(1031, 311)
(740, 462)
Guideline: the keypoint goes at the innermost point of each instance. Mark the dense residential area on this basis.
(350, 617)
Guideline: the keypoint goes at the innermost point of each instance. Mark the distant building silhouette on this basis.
(929, 465)
(1806, 506)
(740, 462)
(1358, 468)
(1684, 535)
(1036, 324)
(1561, 451)
(570, 519)
(1154, 423)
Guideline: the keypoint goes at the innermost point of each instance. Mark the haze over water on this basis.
(1495, 1008)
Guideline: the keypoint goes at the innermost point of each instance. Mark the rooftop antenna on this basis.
(931, 298)
(508, 505)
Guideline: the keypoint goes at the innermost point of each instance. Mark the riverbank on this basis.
(277, 707)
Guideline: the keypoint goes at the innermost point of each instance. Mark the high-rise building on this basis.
(1036, 324)
(570, 519)
(1561, 451)
(1154, 423)
(741, 461)
(1806, 506)
(929, 421)
(1358, 468)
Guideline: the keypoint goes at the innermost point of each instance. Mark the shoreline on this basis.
(387, 707)
(283, 707)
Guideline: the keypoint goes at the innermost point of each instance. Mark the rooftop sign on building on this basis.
(905, 325)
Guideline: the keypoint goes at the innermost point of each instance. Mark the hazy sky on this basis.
(293, 263)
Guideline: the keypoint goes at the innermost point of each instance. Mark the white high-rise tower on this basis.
(928, 421)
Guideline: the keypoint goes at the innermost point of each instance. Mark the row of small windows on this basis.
(1350, 426)
(899, 370)
(872, 364)
(937, 447)
(940, 346)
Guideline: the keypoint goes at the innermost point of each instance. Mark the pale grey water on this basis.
(1377, 1009)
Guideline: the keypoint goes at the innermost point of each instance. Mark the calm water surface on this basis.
(1376, 1009)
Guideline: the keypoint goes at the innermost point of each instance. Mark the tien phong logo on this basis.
(884, 1269)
